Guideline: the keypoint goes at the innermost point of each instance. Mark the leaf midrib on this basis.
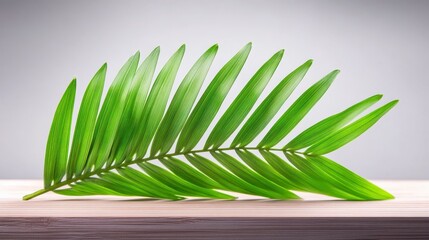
(136, 161)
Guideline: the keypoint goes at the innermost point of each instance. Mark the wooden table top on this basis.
(412, 200)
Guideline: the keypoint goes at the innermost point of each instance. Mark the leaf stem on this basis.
(124, 164)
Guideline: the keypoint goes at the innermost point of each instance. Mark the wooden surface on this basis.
(54, 216)
(412, 200)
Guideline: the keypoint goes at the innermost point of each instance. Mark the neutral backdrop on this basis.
(380, 47)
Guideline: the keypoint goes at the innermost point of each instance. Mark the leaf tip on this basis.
(212, 51)
(156, 51)
(182, 48)
(336, 71)
(73, 83)
(308, 63)
(247, 47)
(389, 196)
(394, 102)
(332, 75)
(390, 105)
(280, 53)
(377, 96)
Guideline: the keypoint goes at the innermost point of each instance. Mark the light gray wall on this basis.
(380, 46)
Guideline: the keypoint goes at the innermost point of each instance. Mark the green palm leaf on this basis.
(181, 104)
(134, 107)
(110, 115)
(243, 103)
(328, 125)
(58, 140)
(345, 135)
(297, 111)
(270, 106)
(210, 101)
(156, 104)
(125, 149)
(85, 124)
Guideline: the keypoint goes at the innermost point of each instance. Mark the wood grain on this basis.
(52, 216)
(215, 228)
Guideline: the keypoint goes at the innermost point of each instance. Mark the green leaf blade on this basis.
(297, 111)
(134, 106)
(189, 173)
(270, 106)
(130, 187)
(243, 103)
(323, 128)
(210, 101)
(110, 115)
(85, 124)
(59, 136)
(90, 187)
(155, 105)
(182, 103)
(349, 132)
(296, 178)
(322, 181)
(229, 180)
(350, 180)
(187, 188)
(248, 175)
(141, 178)
(263, 168)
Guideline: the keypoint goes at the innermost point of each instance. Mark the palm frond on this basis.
(139, 145)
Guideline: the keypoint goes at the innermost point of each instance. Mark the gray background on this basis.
(380, 46)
